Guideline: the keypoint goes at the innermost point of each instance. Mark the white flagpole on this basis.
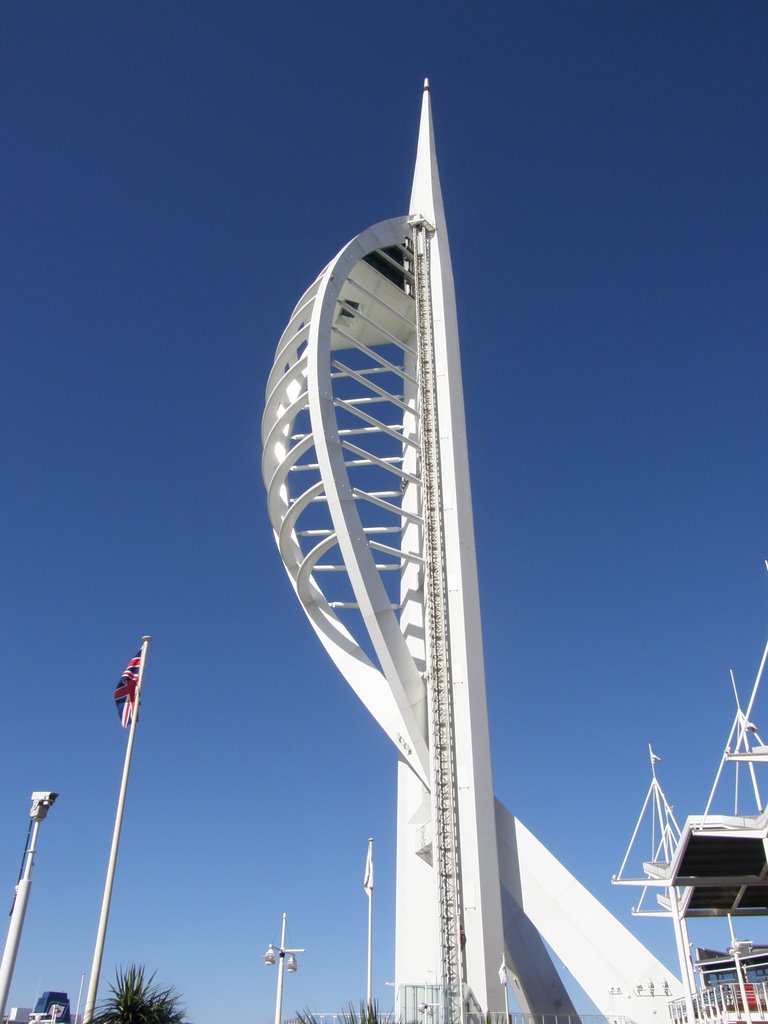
(505, 982)
(93, 983)
(368, 886)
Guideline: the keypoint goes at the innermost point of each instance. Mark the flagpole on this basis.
(369, 891)
(93, 983)
(506, 984)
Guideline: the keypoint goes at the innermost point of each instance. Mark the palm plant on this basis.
(136, 999)
(368, 1013)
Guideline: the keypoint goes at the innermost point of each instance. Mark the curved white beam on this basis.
(303, 380)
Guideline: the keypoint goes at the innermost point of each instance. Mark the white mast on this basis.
(101, 931)
(465, 855)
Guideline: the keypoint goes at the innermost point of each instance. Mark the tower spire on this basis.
(426, 197)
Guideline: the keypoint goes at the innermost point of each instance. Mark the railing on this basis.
(471, 1018)
(722, 1003)
(344, 1017)
(546, 1018)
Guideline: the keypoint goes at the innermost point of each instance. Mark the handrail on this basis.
(723, 1003)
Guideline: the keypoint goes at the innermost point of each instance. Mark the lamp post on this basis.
(286, 959)
(40, 804)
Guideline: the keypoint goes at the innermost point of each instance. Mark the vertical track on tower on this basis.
(439, 695)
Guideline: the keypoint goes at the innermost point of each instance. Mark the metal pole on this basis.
(17, 919)
(369, 890)
(369, 985)
(682, 954)
(79, 994)
(742, 986)
(280, 966)
(506, 984)
(98, 952)
(739, 972)
(688, 959)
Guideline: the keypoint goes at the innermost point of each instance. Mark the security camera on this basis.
(41, 801)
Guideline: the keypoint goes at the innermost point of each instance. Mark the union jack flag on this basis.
(125, 694)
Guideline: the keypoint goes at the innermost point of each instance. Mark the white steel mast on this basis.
(464, 840)
(438, 677)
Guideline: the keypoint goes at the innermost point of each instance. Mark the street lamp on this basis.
(285, 959)
(41, 801)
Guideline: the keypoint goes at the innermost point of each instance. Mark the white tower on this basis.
(365, 463)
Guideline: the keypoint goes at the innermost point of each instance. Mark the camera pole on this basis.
(40, 804)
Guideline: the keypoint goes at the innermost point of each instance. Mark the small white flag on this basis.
(654, 757)
(503, 973)
(368, 876)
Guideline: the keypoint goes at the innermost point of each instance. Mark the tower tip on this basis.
(426, 185)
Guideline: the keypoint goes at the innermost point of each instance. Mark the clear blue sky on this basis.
(173, 176)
